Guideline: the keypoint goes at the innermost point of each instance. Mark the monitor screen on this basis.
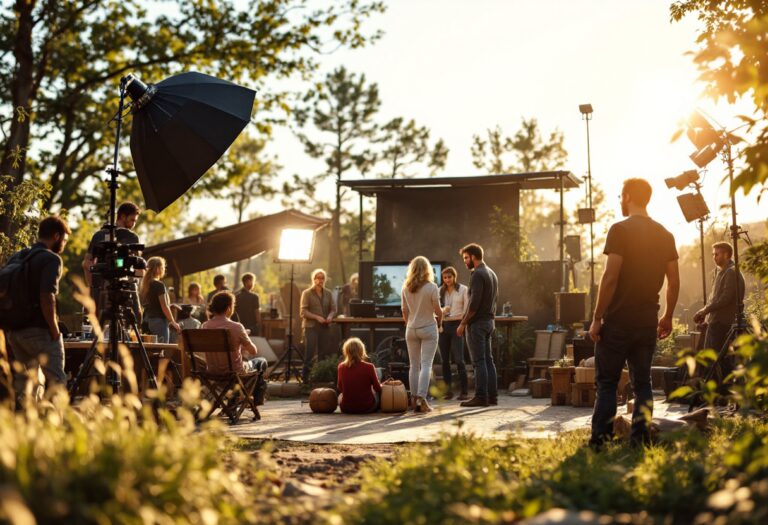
(388, 279)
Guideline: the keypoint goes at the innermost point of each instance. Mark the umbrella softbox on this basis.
(181, 127)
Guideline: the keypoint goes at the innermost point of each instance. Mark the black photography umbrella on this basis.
(181, 127)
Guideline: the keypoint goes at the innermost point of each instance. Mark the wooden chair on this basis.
(232, 391)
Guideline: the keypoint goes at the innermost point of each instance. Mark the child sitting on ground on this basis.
(357, 383)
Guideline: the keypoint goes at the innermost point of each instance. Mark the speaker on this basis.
(570, 307)
(573, 247)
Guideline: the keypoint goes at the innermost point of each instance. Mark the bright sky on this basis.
(461, 66)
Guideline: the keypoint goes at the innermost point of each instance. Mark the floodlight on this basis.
(296, 245)
(682, 180)
(586, 109)
(705, 137)
(693, 206)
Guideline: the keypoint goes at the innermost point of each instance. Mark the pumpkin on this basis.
(323, 400)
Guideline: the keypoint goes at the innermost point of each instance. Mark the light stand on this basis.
(296, 246)
(586, 116)
(118, 313)
(711, 142)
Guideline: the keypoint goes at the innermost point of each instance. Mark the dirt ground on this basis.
(322, 465)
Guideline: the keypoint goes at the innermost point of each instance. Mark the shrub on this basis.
(324, 370)
(125, 464)
(463, 479)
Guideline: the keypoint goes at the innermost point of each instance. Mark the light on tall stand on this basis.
(694, 208)
(296, 246)
(587, 215)
(710, 142)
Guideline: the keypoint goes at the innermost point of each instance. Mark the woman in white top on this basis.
(422, 315)
(454, 297)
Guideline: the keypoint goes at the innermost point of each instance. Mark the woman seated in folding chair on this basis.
(359, 388)
(221, 308)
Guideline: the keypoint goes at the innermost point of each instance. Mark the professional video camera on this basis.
(118, 261)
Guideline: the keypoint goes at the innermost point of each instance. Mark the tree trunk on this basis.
(22, 92)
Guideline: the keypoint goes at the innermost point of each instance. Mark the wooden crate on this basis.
(562, 377)
(585, 375)
(583, 394)
(541, 388)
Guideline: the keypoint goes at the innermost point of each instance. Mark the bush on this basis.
(464, 479)
(125, 464)
(324, 370)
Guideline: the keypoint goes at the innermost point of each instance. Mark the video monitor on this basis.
(388, 278)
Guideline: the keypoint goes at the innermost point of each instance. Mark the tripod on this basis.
(122, 320)
(286, 357)
(118, 313)
(739, 325)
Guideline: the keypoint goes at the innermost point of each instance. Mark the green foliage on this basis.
(751, 390)
(124, 464)
(731, 58)
(463, 479)
(22, 205)
(406, 144)
(667, 346)
(62, 67)
(324, 370)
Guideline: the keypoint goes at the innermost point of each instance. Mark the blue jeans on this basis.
(159, 326)
(452, 347)
(619, 345)
(479, 343)
(422, 347)
(33, 345)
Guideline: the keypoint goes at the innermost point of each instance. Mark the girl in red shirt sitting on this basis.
(357, 380)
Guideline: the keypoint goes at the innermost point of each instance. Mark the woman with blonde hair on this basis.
(356, 380)
(154, 299)
(420, 303)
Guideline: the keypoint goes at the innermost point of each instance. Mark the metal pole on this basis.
(591, 224)
(741, 322)
(703, 261)
(360, 235)
(564, 286)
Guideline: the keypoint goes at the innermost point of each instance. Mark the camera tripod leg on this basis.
(88, 360)
(144, 356)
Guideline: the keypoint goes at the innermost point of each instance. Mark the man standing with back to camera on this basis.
(625, 324)
(127, 216)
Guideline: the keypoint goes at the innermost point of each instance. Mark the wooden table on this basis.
(164, 351)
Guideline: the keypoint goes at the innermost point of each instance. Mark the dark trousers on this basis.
(618, 345)
(715, 338)
(479, 342)
(452, 347)
(317, 342)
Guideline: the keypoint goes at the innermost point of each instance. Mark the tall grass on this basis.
(123, 463)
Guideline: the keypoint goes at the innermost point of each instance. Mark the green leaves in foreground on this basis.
(463, 479)
(122, 464)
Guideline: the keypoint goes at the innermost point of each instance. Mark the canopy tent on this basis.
(228, 244)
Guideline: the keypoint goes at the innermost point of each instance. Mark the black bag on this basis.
(16, 305)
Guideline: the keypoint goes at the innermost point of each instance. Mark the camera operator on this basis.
(127, 216)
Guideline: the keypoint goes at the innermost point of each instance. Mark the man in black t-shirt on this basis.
(625, 325)
(127, 216)
(41, 336)
(247, 305)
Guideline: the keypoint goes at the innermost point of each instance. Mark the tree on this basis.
(343, 110)
(244, 174)
(732, 47)
(62, 62)
(406, 144)
(532, 152)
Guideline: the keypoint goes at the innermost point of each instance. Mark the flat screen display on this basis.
(388, 279)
